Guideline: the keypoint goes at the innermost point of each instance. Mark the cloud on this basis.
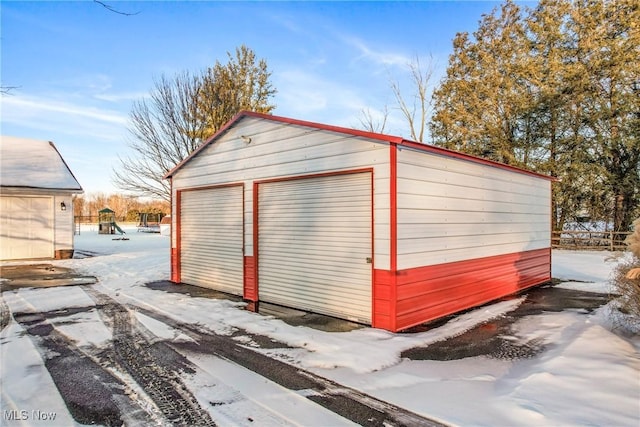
(302, 93)
(35, 106)
(381, 58)
(120, 97)
(57, 114)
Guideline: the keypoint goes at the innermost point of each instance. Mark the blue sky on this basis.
(78, 67)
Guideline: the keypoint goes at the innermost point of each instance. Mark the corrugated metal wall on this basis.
(315, 237)
(211, 236)
(452, 210)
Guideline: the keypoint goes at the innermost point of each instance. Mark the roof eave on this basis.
(475, 159)
(280, 119)
(4, 188)
(398, 141)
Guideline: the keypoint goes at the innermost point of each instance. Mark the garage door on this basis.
(211, 238)
(315, 244)
(26, 227)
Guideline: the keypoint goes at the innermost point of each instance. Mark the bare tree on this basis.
(114, 10)
(373, 122)
(163, 134)
(181, 113)
(6, 90)
(416, 112)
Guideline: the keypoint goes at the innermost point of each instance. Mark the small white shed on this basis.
(36, 211)
(353, 224)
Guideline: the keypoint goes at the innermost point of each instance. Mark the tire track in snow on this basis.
(160, 381)
(91, 394)
(351, 404)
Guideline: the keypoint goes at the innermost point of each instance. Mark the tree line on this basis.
(554, 89)
(126, 208)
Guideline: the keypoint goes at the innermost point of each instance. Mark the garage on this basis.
(314, 244)
(27, 227)
(211, 236)
(353, 224)
(36, 202)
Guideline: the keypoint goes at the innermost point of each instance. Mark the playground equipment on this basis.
(149, 222)
(107, 222)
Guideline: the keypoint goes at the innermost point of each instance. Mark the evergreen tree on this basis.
(556, 90)
(480, 106)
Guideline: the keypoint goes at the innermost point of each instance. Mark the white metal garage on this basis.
(27, 227)
(314, 244)
(360, 225)
(211, 238)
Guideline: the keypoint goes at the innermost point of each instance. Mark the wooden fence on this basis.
(589, 240)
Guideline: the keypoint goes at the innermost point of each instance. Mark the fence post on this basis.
(611, 236)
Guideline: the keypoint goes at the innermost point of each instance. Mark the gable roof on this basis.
(394, 140)
(35, 164)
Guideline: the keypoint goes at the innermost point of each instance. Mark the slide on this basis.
(120, 230)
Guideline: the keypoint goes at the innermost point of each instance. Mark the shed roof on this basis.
(35, 164)
(395, 140)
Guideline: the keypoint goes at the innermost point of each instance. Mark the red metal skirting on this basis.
(175, 266)
(428, 293)
(250, 285)
(382, 310)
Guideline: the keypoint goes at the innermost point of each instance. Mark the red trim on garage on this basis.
(393, 194)
(383, 311)
(175, 252)
(383, 300)
(428, 293)
(250, 292)
(314, 175)
(256, 232)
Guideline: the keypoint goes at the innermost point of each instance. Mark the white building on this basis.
(357, 225)
(36, 189)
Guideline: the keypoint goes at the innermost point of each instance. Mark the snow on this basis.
(34, 164)
(25, 382)
(588, 373)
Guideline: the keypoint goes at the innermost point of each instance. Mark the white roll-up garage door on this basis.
(211, 238)
(26, 227)
(314, 248)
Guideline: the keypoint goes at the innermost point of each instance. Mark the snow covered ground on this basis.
(588, 374)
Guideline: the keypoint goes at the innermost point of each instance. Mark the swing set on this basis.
(149, 222)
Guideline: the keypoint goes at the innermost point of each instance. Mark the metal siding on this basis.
(281, 150)
(26, 227)
(314, 241)
(431, 292)
(453, 210)
(211, 238)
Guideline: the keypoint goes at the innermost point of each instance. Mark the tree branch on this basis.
(112, 9)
